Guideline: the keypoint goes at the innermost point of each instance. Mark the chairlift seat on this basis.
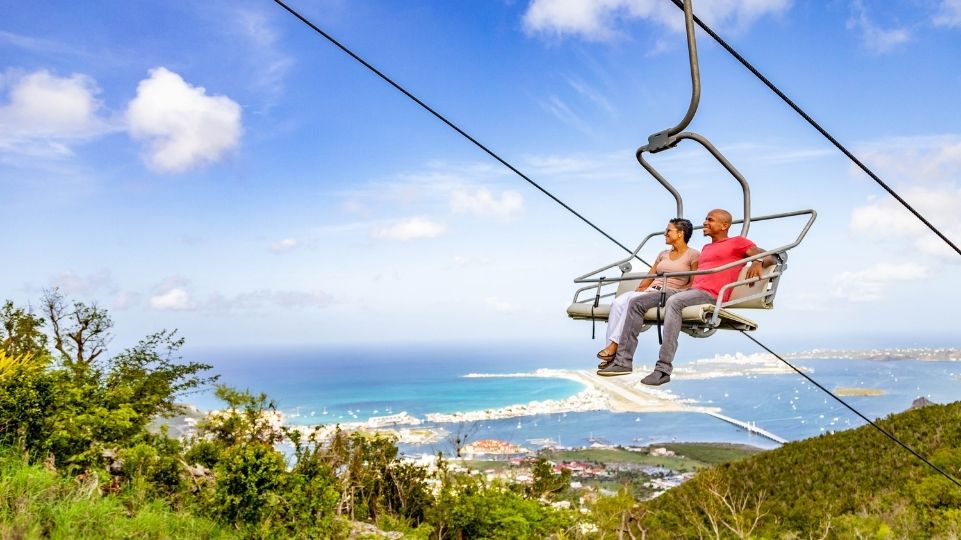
(760, 296)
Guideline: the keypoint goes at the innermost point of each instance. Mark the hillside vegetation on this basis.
(851, 484)
(78, 460)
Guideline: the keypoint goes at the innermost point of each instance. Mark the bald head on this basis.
(722, 215)
(717, 223)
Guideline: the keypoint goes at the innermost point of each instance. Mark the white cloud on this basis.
(482, 203)
(949, 14)
(592, 94)
(184, 126)
(928, 168)
(259, 300)
(126, 300)
(410, 229)
(887, 218)
(270, 65)
(557, 107)
(869, 285)
(75, 284)
(600, 20)
(45, 114)
(175, 299)
(873, 37)
(287, 244)
(174, 294)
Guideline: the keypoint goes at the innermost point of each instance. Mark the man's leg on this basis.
(633, 321)
(672, 324)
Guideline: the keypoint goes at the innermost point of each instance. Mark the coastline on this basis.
(625, 394)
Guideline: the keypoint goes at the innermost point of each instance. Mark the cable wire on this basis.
(450, 124)
(855, 411)
(818, 127)
(609, 237)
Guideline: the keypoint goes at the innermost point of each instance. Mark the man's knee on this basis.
(675, 303)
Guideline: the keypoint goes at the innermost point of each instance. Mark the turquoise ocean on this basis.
(328, 385)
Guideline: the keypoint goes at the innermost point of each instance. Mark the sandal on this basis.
(604, 355)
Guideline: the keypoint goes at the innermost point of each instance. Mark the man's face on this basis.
(713, 224)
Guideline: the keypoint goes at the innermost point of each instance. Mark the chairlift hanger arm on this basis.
(661, 139)
(745, 188)
(813, 123)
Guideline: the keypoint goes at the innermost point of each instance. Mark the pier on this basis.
(749, 427)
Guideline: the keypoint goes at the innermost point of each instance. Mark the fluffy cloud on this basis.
(410, 229)
(888, 218)
(873, 37)
(174, 299)
(870, 284)
(926, 166)
(482, 203)
(949, 14)
(174, 294)
(184, 126)
(44, 113)
(284, 245)
(599, 19)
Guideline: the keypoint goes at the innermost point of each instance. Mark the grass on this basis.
(36, 503)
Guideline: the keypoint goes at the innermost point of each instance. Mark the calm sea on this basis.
(331, 385)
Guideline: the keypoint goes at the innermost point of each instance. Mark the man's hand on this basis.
(754, 271)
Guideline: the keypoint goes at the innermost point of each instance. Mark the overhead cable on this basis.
(873, 424)
(585, 220)
(450, 124)
(821, 130)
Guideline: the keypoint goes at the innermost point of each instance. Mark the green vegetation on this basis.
(37, 503)
(689, 456)
(711, 453)
(851, 484)
(78, 460)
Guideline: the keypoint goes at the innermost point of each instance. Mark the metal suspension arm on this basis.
(663, 139)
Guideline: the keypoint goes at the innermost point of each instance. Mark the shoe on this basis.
(605, 363)
(604, 355)
(614, 370)
(656, 379)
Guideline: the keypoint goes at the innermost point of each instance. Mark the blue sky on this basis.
(218, 168)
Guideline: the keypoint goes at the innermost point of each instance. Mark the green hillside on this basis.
(852, 484)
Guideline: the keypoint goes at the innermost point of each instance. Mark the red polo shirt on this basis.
(717, 254)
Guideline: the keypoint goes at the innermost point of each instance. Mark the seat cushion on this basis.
(692, 315)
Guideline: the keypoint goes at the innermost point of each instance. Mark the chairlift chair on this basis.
(701, 320)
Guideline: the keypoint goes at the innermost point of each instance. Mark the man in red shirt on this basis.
(722, 250)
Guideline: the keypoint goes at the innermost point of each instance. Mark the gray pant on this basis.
(671, 315)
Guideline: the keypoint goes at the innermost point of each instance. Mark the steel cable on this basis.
(855, 411)
(443, 119)
(609, 237)
(818, 127)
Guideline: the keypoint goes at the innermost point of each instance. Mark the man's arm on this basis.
(756, 266)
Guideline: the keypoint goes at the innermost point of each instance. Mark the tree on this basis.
(80, 332)
(460, 435)
(545, 483)
(21, 332)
